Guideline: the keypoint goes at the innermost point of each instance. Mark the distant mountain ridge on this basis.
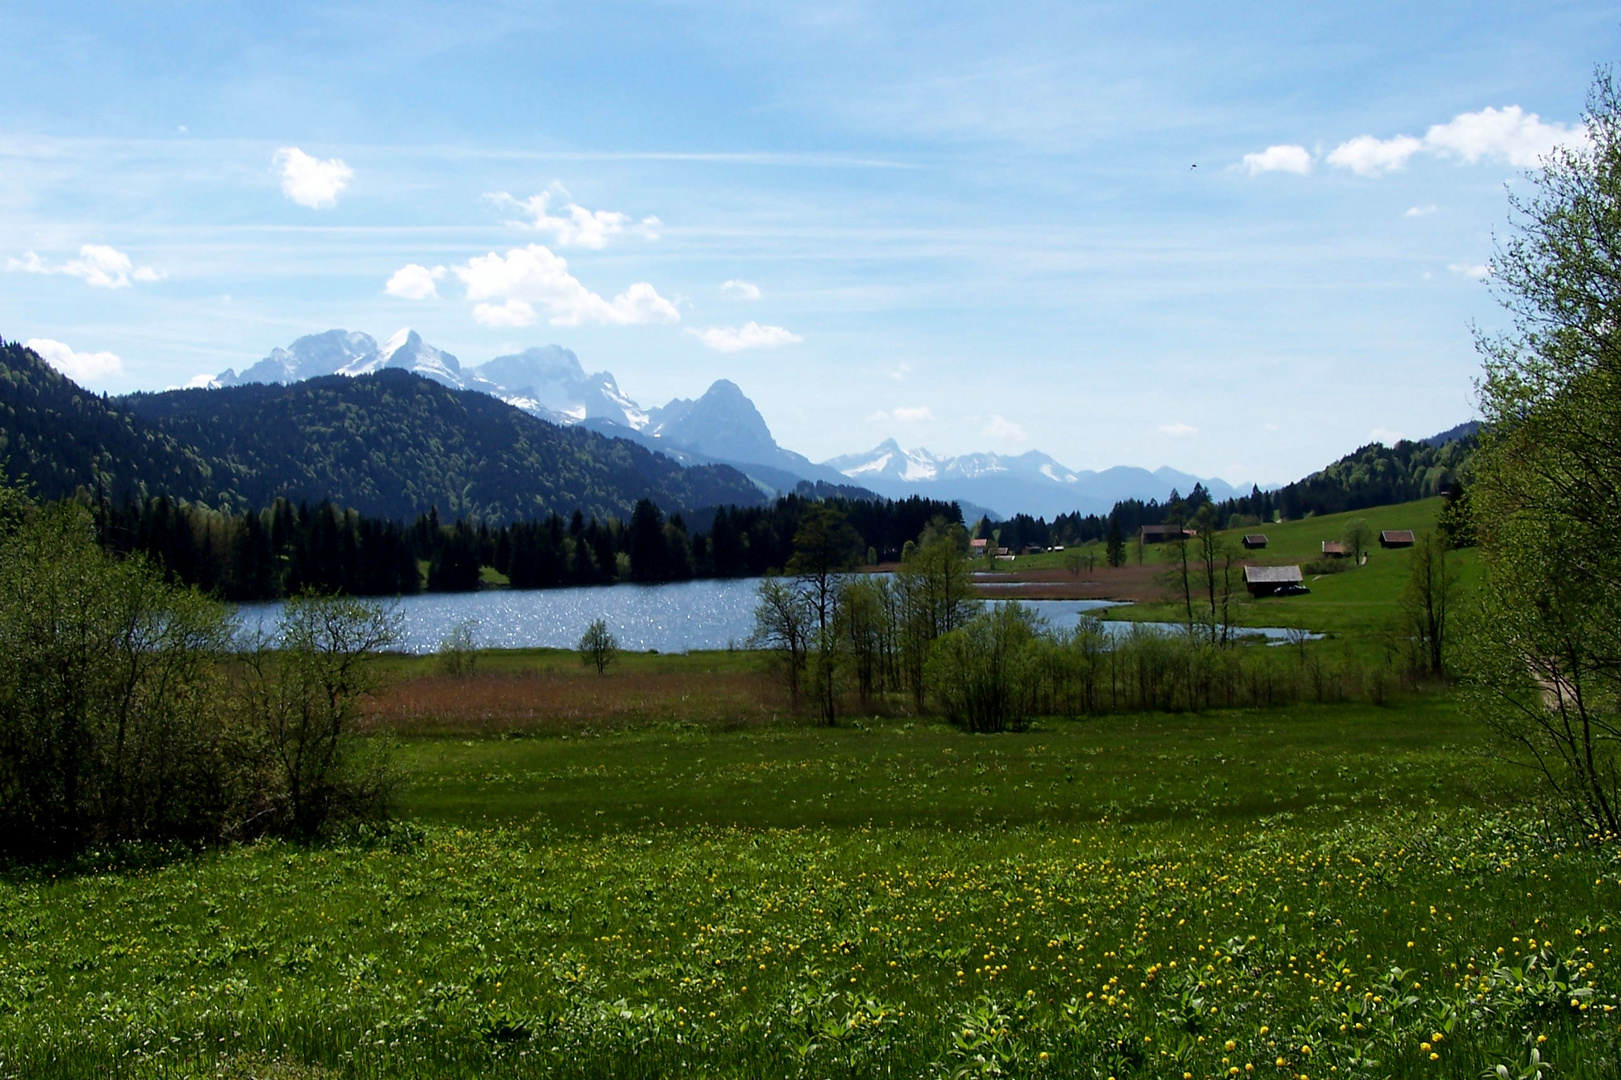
(1032, 483)
(385, 443)
(723, 427)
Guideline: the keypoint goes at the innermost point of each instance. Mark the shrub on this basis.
(598, 648)
(111, 729)
(983, 674)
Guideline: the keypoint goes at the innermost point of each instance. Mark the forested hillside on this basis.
(390, 445)
(61, 437)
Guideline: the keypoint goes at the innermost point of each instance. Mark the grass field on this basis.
(1317, 891)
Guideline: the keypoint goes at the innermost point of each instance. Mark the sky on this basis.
(1234, 239)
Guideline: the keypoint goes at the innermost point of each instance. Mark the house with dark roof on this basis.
(1267, 580)
(1160, 534)
(1396, 538)
(1253, 541)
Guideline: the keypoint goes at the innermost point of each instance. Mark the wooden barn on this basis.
(1333, 549)
(1266, 580)
(1253, 541)
(1396, 538)
(1160, 534)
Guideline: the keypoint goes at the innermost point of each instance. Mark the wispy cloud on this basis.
(1290, 159)
(1004, 430)
(572, 225)
(99, 265)
(1478, 271)
(415, 282)
(905, 414)
(1510, 135)
(1178, 430)
(1386, 436)
(740, 290)
(506, 288)
(1420, 211)
(81, 367)
(751, 335)
(309, 181)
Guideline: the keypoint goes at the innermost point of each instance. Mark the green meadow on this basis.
(1313, 891)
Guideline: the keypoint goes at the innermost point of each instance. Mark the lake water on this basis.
(675, 618)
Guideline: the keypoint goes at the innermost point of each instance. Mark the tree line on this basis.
(290, 548)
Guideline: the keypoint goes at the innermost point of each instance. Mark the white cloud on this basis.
(751, 335)
(415, 282)
(740, 290)
(78, 366)
(1293, 159)
(204, 381)
(1178, 430)
(527, 276)
(905, 414)
(511, 313)
(900, 371)
(1004, 429)
(573, 225)
(1369, 156)
(310, 181)
(1478, 271)
(99, 265)
(1511, 135)
(1386, 436)
(1420, 211)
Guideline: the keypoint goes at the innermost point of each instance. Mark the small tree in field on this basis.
(1358, 535)
(458, 650)
(303, 688)
(598, 648)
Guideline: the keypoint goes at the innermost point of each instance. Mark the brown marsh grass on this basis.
(557, 701)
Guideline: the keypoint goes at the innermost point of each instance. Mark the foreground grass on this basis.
(1305, 892)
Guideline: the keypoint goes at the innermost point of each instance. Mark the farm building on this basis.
(1266, 580)
(1253, 541)
(1160, 534)
(1396, 538)
(1333, 549)
(978, 546)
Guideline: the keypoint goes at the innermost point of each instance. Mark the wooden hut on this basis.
(1160, 534)
(1267, 580)
(1253, 541)
(1396, 538)
(1333, 549)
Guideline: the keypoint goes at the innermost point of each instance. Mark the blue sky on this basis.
(969, 226)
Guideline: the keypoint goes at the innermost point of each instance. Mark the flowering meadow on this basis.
(1011, 913)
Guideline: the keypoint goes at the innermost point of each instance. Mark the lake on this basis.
(679, 617)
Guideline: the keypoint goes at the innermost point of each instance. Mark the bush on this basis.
(458, 650)
(301, 690)
(111, 725)
(598, 647)
(983, 675)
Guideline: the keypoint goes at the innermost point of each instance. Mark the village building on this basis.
(1396, 538)
(1333, 549)
(1267, 580)
(1161, 534)
(1252, 541)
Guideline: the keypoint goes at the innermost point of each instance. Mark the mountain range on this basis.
(723, 427)
(385, 443)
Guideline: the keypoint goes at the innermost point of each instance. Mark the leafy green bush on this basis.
(983, 674)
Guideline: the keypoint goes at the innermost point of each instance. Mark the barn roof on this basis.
(1255, 538)
(1272, 575)
(1397, 536)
